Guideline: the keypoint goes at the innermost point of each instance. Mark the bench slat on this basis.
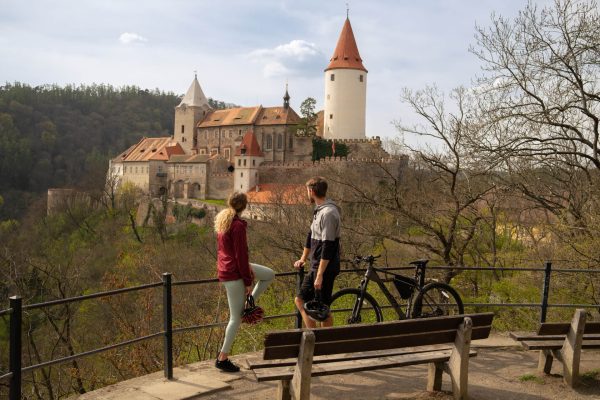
(557, 344)
(259, 363)
(520, 338)
(559, 328)
(363, 331)
(377, 343)
(345, 367)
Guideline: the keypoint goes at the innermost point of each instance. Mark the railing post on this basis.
(168, 325)
(546, 290)
(14, 362)
(299, 279)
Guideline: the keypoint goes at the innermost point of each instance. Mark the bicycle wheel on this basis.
(437, 299)
(343, 302)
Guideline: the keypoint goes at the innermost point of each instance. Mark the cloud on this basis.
(297, 57)
(130, 37)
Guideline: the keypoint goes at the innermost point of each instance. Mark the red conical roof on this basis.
(346, 52)
(251, 145)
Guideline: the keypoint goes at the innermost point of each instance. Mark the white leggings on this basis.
(236, 297)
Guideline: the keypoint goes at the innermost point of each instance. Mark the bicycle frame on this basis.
(371, 275)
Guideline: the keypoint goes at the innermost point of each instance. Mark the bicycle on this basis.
(424, 300)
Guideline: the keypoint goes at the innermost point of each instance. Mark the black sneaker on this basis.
(226, 366)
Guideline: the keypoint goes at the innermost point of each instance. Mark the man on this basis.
(322, 248)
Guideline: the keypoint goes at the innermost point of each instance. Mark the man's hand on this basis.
(299, 264)
(318, 282)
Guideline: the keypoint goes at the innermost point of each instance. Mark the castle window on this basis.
(279, 141)
(332, 77)
(330, 116)
(291, 144)
(240, 132)
(182, 128)
(239, 163)
(269, 142)
(136, 170)
(244, 162)
(241, 174)
(328, 97)
(360, 78)
(124, 169)
(254, 163)
(227, 153)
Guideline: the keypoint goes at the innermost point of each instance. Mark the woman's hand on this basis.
(248, 290)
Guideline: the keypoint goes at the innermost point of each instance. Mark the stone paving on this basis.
(500, 371)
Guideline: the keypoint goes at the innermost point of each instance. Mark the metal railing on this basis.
(16, 316)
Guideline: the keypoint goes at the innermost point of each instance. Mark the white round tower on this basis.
(345, 90)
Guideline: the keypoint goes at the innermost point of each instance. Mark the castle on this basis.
(213, 152)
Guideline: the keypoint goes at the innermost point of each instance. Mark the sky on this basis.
(245, 51)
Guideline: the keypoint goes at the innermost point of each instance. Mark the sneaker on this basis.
(226, 365)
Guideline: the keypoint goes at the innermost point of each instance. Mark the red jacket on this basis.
(232, 255)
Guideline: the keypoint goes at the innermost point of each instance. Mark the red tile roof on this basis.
(346, 52)
(271, 193)
(230, 116)
(277, 116)
(152, 149)
(250, 143)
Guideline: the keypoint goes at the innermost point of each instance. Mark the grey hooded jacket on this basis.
(323, 240)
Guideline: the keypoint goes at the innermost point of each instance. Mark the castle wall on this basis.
(220, 186)
(59, 200)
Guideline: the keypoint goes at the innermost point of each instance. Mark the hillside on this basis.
(53, 136)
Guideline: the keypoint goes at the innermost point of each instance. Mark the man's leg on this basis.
(308, 322)
(326, 292)
(307, 293)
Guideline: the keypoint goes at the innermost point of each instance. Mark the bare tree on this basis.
(540, 92)
(434, 204)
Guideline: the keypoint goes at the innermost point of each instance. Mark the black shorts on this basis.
(307, 289)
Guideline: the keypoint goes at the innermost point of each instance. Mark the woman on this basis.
(235, 272)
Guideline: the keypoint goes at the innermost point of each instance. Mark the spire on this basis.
(249, 146)
(346, 53)
(286, 98)
(194, 96)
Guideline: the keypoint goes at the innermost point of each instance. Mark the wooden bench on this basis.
(564, 342)
(366, 347)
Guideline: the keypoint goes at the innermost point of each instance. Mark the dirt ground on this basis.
(501, 373)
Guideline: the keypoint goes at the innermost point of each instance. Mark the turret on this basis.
(192, 109)
(345, 90)
(248, 157)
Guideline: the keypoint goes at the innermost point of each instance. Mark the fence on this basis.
(16, 311)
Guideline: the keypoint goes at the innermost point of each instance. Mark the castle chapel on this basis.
(214, 152)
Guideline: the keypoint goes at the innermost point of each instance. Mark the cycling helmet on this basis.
(316, 309)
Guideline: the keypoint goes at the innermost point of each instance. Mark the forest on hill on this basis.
(63, 136)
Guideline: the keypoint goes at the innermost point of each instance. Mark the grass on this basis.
(590, 375)
(531, 378)
(214, 201)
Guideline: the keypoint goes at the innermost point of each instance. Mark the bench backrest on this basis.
(382, 336)
(554, 328)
